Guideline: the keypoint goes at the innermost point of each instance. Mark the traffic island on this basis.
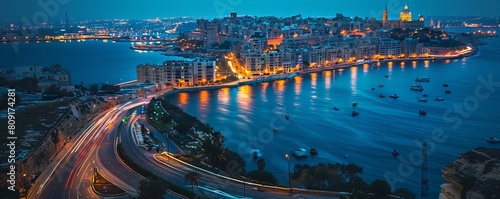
(102, 187)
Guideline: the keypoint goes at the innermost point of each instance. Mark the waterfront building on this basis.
(203, 71)
(254, 62)
(179, 73)
(389, 47)
(411, 48)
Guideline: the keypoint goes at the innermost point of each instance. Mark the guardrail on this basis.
(260, 187)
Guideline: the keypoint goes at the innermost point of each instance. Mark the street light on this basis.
(289, 180)
(244, 186)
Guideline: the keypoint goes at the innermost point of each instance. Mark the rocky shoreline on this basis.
(475, 174)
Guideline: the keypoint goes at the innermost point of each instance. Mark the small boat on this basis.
(422, 99)
(313, 151)
(300, 153)
(395, 153)
(380, 85)
(445, 85)
(354, 113)
(425, 95)
(395, 96)
(373, 89)
(422, 79)
(381, 96)
(336, 108)
(439, 99)
(287, 116)
(447, 91)
(416, 87)
(422, 113)
(493, 140)
(386, 76)
(275, 129)
(354, 104)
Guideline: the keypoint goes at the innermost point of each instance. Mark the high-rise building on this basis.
(203, 71)
(178, 72)
(212, 32)
(234, 17)
(259, 40)
(389, 47)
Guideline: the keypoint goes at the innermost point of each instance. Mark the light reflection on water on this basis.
(382, 126)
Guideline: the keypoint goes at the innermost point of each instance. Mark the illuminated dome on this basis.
(405, 15)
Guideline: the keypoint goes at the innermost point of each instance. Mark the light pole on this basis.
(244, 187)
(289, 180)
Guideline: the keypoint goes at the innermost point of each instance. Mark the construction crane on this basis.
(425, 180)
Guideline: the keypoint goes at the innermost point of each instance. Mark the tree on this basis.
(152, 188)
(52, 89)
(192, 176)
(214, 150)
(261, 164)
(93, 88)
(262, 176)
(28, 84)
(380, 188)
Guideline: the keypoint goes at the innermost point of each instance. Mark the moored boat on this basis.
(439, 99)
(422, 99)
(422, 113)
(354, 104)
(416, 87)
(422, 79)
(313, 151)
(493, 140)
(354, 113)
(336, 108)
(300, 153)
(445, 85)
(425, 95)
(395, 96)
(447, 91)
(395, 153)
(381, 96)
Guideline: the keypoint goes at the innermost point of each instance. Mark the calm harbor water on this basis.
(92, 61)
(246, 116)
(89, 62)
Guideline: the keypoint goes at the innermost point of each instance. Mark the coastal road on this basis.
(69, 175)
(208, 185)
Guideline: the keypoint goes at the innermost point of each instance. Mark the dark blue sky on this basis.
(92, 9)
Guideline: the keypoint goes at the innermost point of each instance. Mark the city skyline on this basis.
(55, 9)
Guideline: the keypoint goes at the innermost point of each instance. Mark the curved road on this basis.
(69, 175)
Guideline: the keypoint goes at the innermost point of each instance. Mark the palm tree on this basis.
(192, 176)
(261, 164)
(214, 149)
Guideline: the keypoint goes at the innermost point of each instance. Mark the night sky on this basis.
(95, 9)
